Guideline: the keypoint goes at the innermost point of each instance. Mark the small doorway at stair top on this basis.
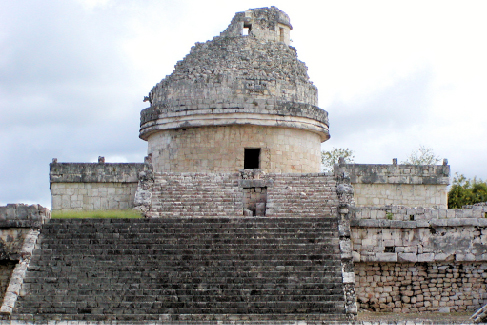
(252, 158)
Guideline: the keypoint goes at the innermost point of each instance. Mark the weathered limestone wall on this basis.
(408, 185)
(221, 149)
(420, 259)
(93, 186)
(401, 194)
(92, 196)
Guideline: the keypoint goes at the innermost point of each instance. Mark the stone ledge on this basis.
(381, 223)
(95, 172)
(398, 174)
(208, 118)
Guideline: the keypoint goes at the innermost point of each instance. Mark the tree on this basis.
(330, 158)
(422, 156)
(466, 191)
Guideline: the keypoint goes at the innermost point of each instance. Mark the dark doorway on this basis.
(251, 159)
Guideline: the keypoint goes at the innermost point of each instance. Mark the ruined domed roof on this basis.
(238, 72)
(233, 65)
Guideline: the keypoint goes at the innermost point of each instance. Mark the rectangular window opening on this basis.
(281, 34)
(247, 29)
(252, 159)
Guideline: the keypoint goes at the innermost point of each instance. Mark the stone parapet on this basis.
(95, 172)
(398, 174)
(407, 185)
(402, 213)
(94, 186)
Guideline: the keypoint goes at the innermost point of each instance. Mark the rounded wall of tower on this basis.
(230, 148)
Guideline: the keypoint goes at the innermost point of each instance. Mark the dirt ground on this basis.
(440, 318)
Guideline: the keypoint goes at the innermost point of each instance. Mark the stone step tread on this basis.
(162, 238)
(221, 282)
(200, 319)
(278, 234)
(107, 299)
(176, 220)
(328, 230)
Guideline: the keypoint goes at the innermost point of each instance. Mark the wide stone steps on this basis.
(116, 268)
(194, 194)
(306, 195)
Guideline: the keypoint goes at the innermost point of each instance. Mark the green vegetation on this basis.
(465, 191)
(97, 214)
(422, 156)
(330, 158)
(389, 215)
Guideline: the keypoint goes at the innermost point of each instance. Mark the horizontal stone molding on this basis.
(95, 172)
(398, 174)
(457, 222)
(402, 213)
(287, 115)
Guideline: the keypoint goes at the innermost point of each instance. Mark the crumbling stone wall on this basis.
(421, 287)
(16, 224)
(93, 186)
(408, 185)
(269, 24)
(230, 67)
(421, 259)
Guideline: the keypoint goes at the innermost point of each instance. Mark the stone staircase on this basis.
(185, 269)
(196, 194)
(307, 195)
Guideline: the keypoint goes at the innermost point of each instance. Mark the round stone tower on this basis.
(240, 101)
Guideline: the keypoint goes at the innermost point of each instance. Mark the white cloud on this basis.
(393, 76)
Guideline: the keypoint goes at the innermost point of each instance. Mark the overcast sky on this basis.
(393, 75)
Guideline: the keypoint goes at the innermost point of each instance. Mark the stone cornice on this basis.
(285, 115)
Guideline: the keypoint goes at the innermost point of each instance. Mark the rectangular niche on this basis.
(254, 199)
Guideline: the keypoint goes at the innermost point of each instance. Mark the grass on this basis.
(97, 214)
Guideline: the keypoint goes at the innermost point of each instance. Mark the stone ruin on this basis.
(241, 226)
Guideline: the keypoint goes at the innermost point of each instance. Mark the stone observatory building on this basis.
(240, 101)
(241, 227)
